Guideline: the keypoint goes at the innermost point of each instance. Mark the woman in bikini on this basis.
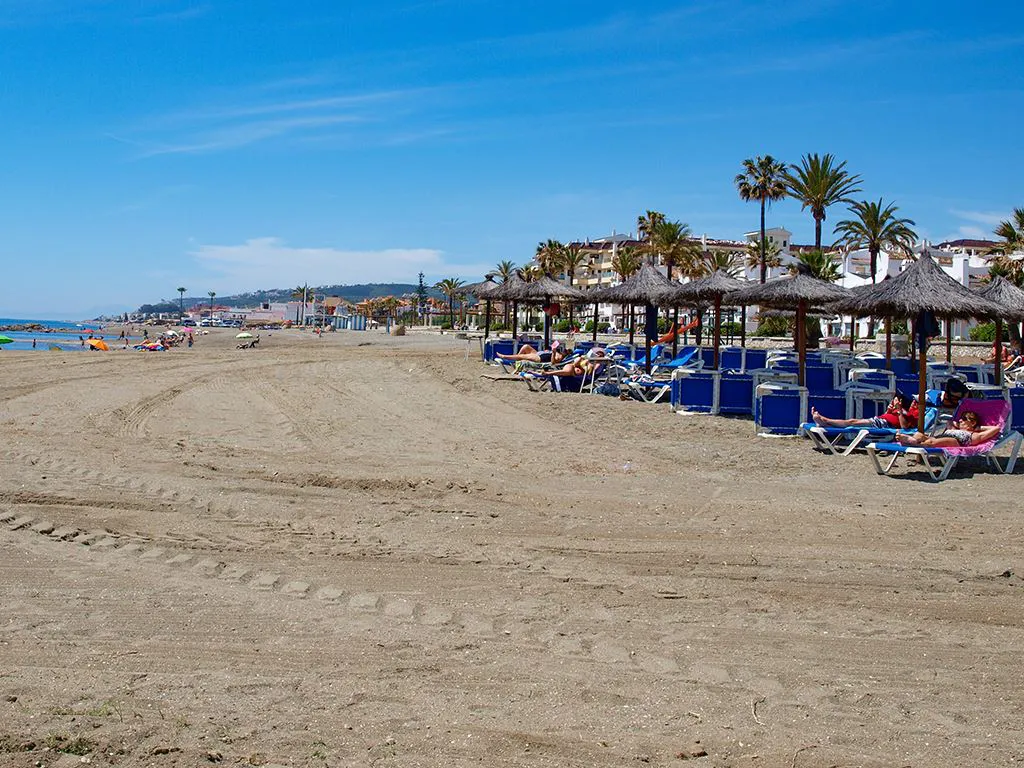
(968, 430)
(581, 366)
(529, 354)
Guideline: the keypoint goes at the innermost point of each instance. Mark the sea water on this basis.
(65, 334)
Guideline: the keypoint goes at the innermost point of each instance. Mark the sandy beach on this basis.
(355, 551)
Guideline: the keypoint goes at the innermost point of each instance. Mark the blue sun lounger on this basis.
(990, 411)
(842, 441)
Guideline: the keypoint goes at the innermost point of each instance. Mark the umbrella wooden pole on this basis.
(648, 310)
(801, 343)
(743, 325)
(718, 328)
(675, 331)
(998, 362)
(546, 312)
(593, 335)
(949, 340)
(487, 317)
(632, 322)
(853, 332)
(515, 319)
(888, 343)
(922, 379)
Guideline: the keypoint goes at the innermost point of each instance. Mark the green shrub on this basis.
(563, 326)
(987, 332)
(898, 327)
(774, 326)
(731, 328)
(589, 327)
(499, 326)
(446, 326)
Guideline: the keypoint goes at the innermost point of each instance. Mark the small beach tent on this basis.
(1004, 293)
(711, 288)
(800, 292)
(646, 286)
(923, 290)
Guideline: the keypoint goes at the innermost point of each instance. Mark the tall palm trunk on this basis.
(764, 247)
(817, 231)
(874, 269)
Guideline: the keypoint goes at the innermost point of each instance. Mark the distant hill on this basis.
(354, 293)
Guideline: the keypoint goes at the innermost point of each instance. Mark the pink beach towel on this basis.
(990, 412)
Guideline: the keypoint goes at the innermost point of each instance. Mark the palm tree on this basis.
(763, 179)
(181, 301)
(1011, 233)
(549, 256)
(505, 270)
(712, 261)
(817, 264)
(673, 242)
(451, 287)
(530, 272)
(876, 227)
(626, 262)
(646, 224)
(212, 295)
(823, 266)
(573, 257)
(819, 183)
(767, 253)
(299, 293)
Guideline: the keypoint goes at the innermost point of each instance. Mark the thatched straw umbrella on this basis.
(510, 290)
(798, 292)
(1004, 293)
(646, 286)
(921, 289)
(483, 290)
(710, 288)
(546, 290)
(595, 296)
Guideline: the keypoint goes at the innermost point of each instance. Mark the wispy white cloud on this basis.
(242, 134)
(252, 116)
(270, 261)
(15, 13)
(989, 218)
(967, 233)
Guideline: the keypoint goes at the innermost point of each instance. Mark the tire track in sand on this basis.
(599, 644)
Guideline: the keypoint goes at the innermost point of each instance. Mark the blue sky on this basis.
(232, 145)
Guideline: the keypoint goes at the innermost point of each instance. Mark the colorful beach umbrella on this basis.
(6, 340)
(98, 344)
(243, 335)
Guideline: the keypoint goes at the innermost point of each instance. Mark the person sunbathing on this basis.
(967, 430)
(529, 354)
(901, 413)
(581, 366)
